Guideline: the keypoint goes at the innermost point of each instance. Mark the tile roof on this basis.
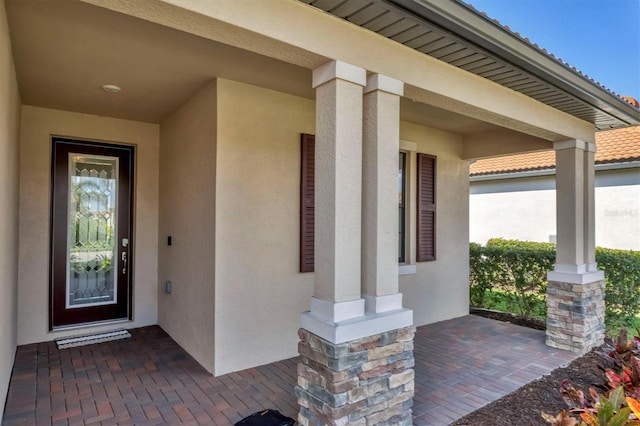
(633, 101)
(614, 146)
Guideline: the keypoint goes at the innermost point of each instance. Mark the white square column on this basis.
(337, 311)
(340, 342)
(575, 291)
(381, 146)
(590, 208)
(575, 215)
(338, 195)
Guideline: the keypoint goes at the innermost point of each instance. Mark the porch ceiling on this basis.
(65, 51)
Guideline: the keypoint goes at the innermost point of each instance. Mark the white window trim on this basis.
(409, 266)
(404, 269)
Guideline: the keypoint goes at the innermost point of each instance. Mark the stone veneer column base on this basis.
(575, 315)
(368, 381)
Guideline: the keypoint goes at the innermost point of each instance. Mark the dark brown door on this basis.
(91, 256)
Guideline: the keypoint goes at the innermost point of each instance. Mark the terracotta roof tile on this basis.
(632, 101)
(614, 146)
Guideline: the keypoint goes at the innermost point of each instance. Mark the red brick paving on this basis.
(461, 365)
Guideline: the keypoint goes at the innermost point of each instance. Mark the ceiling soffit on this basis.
(409, 22)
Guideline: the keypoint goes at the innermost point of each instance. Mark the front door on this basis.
(90, 232)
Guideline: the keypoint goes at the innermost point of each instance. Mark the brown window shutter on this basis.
(426, 226)
(307, 202)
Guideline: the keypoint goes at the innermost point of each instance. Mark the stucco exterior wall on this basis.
(259, 291)
(522, 209)
(187, 214)
(9, 142)
(439, 290)
(37, 127)
(618, 209)
(525, 209)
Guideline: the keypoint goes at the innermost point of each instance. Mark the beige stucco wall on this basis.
(9, 138)
(37, 127)
(187, 214)
(438, 290)
(259, 291)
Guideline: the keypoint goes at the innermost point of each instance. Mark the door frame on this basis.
(54, 234)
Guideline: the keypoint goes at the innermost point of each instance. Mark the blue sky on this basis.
(601, 38)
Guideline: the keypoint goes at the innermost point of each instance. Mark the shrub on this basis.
(484, 271)
(517, 270)
(622, 275)
(513, 269)
(521, 245)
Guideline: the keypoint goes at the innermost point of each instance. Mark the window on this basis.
(426, 214)
(402, 214)
(426, 206)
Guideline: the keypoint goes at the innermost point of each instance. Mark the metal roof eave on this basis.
(462, 21)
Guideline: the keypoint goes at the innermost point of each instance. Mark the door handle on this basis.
(124, 262)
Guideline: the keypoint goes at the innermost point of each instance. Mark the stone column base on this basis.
(575, 315)
(368, 381)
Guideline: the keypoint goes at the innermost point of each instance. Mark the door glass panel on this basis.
(91, 231)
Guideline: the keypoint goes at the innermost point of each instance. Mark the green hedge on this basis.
(517, 272)
(622, 274)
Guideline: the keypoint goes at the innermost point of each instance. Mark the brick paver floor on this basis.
(461, 365)
(465, 363)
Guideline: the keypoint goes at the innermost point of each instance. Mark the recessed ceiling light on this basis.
(111, 88)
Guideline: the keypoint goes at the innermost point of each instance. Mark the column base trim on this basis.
(575, 278)
(328, 311)
(381, 304)
(357, 328)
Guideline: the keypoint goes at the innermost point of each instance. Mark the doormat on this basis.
(72, 342)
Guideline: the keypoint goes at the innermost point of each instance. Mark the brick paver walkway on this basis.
(461, 365)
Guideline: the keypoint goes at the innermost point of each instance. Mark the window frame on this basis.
(403, 218)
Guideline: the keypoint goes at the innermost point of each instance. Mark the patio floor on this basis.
(461, 365)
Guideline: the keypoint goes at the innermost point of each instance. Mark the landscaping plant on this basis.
(618, 404)
(622, 274)
(511, 275)
(614, 409)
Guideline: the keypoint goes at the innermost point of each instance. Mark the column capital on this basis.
(572, 143)
(339, 70)
(385, 84)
